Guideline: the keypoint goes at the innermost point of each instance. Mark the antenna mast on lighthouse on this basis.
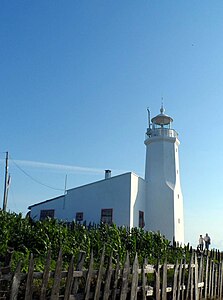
(148, 117)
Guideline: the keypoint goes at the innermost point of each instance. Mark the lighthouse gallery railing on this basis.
(161, 132)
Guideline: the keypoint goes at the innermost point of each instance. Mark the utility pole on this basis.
(6, 183)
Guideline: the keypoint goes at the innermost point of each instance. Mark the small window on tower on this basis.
(178, 221)
(141, 219)
(176, 149)
(79, 216)
(178, 196)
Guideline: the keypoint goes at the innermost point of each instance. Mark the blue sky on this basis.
(76, 79)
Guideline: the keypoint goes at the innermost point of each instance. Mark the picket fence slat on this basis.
(16, 282)
(196, 274)
(210, 279)
(179, 280)
(29, 285)
(164, 286)
(134, 281)
(126, 271)
(69, 281)
(144, 280)
(89, 277)
(57, 278)
(108, 280)
(215, 281)
(157, 274)
(79, 267)
(99, 279)
(189, 286)
(176, 270)
(46, 276)
(114, 289)
(206, 279)
(220, 279)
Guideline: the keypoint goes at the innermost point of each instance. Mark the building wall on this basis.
(112, 193)
(138, 195)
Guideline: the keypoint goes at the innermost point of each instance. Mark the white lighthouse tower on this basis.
(164, 200)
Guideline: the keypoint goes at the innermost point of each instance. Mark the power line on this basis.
(34, 179)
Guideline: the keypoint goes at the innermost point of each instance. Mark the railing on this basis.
(161, 132)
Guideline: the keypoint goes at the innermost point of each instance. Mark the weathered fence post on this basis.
(125, 275)
(206, 278)
(79, 267)
(46, 275)
(99, 279)
(216, 279)
(114, 288)
(164, 286)
(183, 280)
(57, 278)
(190, 278)
(157, 273)
(135, 276)
(69, 280)
(16, 282)
(108, 279)
(200, 275)
(210, 278)
(196, 277)
(89, 275)
(220, 279)
(174, 292)
(179, 287)
(29, 281)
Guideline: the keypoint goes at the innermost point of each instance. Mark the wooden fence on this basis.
(201, 278)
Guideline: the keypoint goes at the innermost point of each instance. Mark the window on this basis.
(141, 219)
(46, 213)
(106, 215)
(178, 221)
(79, 216)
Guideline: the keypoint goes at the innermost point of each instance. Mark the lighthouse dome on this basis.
(162, 119)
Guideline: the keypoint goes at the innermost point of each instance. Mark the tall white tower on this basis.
(164, 204)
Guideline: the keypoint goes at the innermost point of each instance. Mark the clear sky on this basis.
(76, 78)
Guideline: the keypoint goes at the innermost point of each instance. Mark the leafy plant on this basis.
(27, 236)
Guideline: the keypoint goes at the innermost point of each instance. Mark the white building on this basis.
(154, 203)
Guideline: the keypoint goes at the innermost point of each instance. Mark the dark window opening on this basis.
(79, 216)
(141, 219)
(46, 213)
(107, 216)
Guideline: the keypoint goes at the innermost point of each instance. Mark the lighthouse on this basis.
(154, 203)
(164, 200)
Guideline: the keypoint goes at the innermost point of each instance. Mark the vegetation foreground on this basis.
(26, 236)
